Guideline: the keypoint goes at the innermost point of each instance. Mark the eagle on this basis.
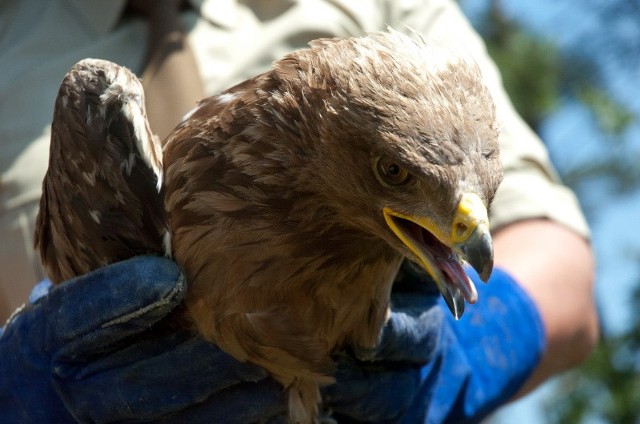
(289, 200)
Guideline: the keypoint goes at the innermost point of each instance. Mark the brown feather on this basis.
(101, 199)
(275, 210)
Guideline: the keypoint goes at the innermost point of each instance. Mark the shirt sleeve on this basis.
(482, 359)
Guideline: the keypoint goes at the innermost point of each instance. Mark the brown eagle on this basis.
(293, 197)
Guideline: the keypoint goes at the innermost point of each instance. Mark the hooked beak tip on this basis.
(478, 252)
(455, 301)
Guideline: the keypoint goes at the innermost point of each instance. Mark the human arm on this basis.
(555, 267)
(474, 365)
(535, 318)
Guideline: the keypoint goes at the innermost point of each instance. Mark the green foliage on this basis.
(617, 167)
(537, 75)
(612, 117)
(531, 67)
(530, 74)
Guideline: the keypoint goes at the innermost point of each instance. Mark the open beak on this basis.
(443, 253)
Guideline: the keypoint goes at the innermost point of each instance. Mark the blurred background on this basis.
(572, 67)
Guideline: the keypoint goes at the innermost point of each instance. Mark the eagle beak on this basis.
(470, 235)
(443, 253)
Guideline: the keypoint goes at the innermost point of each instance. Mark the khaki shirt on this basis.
(231, 41)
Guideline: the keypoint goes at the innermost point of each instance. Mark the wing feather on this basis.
(102, 198)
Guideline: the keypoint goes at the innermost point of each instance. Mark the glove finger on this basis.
(372, 393)
(410, 336)
(150, 379)
(411, 333)
(90, 312)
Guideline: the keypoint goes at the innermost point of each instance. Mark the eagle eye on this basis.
(490, 154)
(390, 173)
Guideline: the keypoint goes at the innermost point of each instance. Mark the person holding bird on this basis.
(98, 348)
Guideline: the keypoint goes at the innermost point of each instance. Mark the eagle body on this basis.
(276, 278)
(275, 196)
(289, 200)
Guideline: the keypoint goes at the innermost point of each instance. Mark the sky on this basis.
(573, 138)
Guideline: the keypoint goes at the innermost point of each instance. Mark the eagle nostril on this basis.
(460, 229)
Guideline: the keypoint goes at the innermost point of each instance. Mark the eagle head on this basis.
(402, 141)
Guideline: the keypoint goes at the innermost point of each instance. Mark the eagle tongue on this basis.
(458, 285)
(450, 266)
(456, 277)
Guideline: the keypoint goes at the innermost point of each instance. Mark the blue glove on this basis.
(65, 358)
(433, 369)
(85, 352)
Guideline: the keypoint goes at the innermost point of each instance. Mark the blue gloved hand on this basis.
(64, 357)
(84, 352)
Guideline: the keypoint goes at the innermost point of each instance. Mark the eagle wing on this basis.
(102, 199)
